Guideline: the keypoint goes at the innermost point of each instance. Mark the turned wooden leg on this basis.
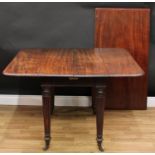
(46, 99)
(52, 100)
(100, 103)
(93, 100)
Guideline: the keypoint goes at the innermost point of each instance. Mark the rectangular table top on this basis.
(96, 62)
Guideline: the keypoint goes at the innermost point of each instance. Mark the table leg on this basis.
(46, 98)
(100, 103)
(52, 100)
(93, 100)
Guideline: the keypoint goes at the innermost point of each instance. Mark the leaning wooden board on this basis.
(125, 28)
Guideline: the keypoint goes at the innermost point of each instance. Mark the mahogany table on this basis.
(74, 67)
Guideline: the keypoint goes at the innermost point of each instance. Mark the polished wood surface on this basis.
(96, 62)
(125, 28)
(21, 130)
(41, 62)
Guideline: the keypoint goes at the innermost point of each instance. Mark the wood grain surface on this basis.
(96, 62)
(74, 130)
(125, 28)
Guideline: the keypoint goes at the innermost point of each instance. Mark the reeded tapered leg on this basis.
(52, 100)
(100, 103)
(93, 100)
(46, 99)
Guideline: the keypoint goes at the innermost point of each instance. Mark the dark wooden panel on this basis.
(98, 62)
(125, 28)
